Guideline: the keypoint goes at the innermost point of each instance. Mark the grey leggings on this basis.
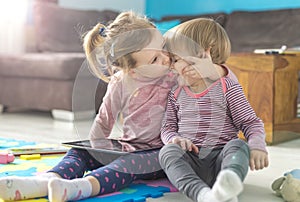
(190, 172)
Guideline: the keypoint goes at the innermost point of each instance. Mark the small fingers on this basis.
(260, 164)
(188, 69)
(189, 145)
(183, 145)
(180, 142)
(252, 164)
(258, 160)
(195, 149)
(266, 162)
(190, 72)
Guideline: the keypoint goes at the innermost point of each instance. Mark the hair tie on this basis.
(102, 32)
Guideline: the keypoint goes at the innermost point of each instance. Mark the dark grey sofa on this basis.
(249, 30)
(47, 78)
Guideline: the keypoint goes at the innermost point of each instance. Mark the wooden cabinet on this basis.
(271, 83)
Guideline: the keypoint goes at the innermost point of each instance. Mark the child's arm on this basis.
(169, 125)
(169, 128)
(108, 112)
(245, 119)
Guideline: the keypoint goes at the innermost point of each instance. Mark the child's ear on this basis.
(209, 56)
(204, 53)
(207, 52)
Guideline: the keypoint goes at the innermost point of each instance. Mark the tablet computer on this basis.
(111, 146)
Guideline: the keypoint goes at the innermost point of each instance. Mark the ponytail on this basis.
(94, 39)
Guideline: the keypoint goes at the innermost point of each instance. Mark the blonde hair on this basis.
(207, 33)
(115, 43)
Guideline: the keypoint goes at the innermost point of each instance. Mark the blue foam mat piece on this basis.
(134, 193)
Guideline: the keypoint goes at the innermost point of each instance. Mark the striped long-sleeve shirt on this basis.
(213, 117)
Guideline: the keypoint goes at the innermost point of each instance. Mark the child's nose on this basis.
(166, 59)
(172, 65)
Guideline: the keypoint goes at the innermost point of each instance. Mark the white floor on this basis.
(40, 127)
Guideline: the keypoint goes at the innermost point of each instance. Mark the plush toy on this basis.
(288, 186)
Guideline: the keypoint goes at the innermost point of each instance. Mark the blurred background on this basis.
(43, 67)
(17, 21)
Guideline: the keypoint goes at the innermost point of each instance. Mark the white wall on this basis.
(12, 19)
(119, 5)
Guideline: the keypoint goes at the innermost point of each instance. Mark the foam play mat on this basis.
(137, 192)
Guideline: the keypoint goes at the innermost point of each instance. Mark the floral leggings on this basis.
(112, 172)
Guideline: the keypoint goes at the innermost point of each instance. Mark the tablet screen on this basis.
(110, 146)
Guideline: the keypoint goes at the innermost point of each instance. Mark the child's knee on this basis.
(170, 148)
(239, 145)
(168, 152)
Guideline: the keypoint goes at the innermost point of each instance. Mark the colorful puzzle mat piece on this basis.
(137, 192)
(6, 143)
(22, 167)
(134, 193)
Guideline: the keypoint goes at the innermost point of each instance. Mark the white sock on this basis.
(227, 186)
(206, 195)
(65, 190)
(17, 188)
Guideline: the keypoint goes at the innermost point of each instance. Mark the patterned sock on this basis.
(67, 190)
(17, 188)
(227, 186)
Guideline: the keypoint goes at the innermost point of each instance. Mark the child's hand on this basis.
(258, 160)
(201, 68)
(190, 71)
(185, 144)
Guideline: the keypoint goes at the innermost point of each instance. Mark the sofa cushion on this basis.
(166, 25)
(219, 17)
(264, 29)
(54, 66)
(59, 29)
